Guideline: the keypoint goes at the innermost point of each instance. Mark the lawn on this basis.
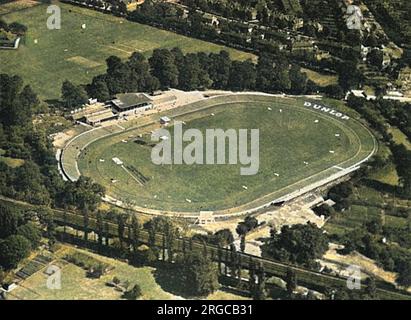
(76, 54)
(399, 137)
(320, 79)
(293, 147)
(11, 162)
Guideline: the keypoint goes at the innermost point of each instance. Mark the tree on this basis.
(242, 229)
(2, 275)
(334, 91)
(219, 69)
(133, 294)
(349, 75)
(85, 223)
(371, 287)
(199, 274)
(73, 96)
(164, 68)
(223, 238)
(27, 102)
(29, 182)
(98, 89)
(404, 273)
(260, 290)
(9, 221)
(300, 244)
(17, 28)
(374, 226)
(190, 72)
(242, 75)
(251, 223)
(16, 104)
(100, 227)
(325, 210)
(242, 243)
(12, 250)
(135, 232)
(31, 232)
(298, 80)
(376, 57)
(291, 280)
(120, 228)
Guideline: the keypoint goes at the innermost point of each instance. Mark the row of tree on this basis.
(191, 71)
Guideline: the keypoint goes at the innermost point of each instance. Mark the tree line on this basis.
(36, 180)
(191, 71)
(377, 114)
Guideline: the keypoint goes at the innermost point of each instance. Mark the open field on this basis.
(297, 144)
(319, 79)
(78, 55)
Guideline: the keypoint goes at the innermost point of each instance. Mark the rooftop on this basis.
(127, 100)
(100, 116)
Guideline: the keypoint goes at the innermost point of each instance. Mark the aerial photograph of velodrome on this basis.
(212, 150)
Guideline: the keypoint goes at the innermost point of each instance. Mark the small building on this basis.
(97, 118)
(8, 287)
(131, 104)
(205, 217)
(165, 120)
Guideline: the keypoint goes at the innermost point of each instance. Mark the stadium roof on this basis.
(129, 100)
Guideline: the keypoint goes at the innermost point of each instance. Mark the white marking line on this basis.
(138, 181)
(118, 49)
(122, 128)
(339, 168)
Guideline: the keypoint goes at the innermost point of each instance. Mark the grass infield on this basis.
(298, 146)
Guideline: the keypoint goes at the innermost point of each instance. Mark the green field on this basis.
(78, 55)
(292, 145)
